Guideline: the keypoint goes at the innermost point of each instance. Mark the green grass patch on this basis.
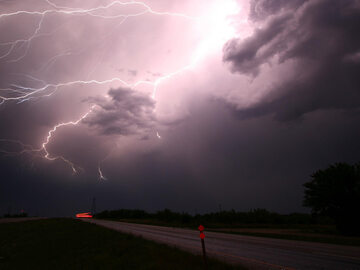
(73, 244)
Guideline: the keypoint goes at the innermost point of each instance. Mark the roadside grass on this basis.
(337, 240)
(309, 233)
(73, 244)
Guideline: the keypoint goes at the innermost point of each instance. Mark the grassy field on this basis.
(73, 244)
(309, 233)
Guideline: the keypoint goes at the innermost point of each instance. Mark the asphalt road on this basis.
(253, 252)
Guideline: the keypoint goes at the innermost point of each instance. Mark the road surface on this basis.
(253, 252)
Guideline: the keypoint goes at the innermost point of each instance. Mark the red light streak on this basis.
(84, 215)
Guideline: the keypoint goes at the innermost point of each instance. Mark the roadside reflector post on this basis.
(202, 237)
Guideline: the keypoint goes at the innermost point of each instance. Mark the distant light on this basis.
(84, 215)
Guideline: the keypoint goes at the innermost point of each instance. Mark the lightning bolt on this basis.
(91, 11)
(101, 175)
(28, 149)
(25, 96)
(21, 93)
(52, 132)
(78, 11)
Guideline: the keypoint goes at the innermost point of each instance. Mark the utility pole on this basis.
(93, 206)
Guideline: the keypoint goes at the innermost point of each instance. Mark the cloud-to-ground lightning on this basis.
(215, 19)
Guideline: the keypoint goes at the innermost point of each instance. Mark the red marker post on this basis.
(202, 237)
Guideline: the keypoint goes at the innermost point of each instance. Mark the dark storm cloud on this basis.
(205, 156)
(261, 9)
(211, 158)
(321, 37)
(246, 56)
(125, 112)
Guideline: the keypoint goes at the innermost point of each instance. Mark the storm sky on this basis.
(174, 104)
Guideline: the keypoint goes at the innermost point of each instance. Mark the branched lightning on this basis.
(92, 11)
(52, 132)
(43, 151)
(20, 93)
(25, 148)
(32, 92)
(78, 11)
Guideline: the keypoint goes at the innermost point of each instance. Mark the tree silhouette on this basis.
(335, 192)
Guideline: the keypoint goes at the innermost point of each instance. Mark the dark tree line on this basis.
(15, 215)
(333, 195)
(222, 218)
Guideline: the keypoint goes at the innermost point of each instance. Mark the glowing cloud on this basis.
(212, 23)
